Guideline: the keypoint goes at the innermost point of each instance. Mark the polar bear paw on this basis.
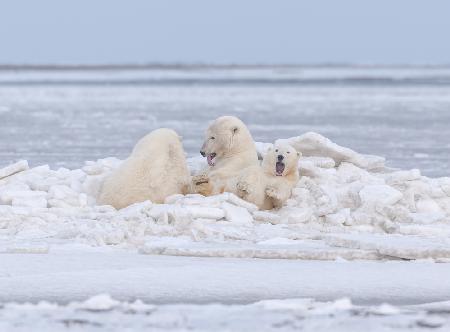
(273, 193)
(202, 184)
(200, 179)
(243, 188)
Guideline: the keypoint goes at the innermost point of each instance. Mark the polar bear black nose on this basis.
(203, 153)
(280, 157)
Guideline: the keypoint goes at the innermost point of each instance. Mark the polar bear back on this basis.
(155, 170)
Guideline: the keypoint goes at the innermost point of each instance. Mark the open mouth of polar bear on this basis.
(279, 168)
(210, 158)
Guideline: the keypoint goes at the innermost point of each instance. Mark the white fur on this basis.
(155, 170)
(262, 186)
(231, 141)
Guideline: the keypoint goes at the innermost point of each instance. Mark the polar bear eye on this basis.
(276, 150)
(288, 151)
(212, 137)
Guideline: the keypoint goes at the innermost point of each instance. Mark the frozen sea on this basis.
(57, 259)
(64, 116)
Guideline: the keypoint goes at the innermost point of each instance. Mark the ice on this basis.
(13, 169)
(405, 247)
(427, 217)
(101, 302)
(206, 212)
(446, 185)
(33, 201)
(373, 118)
(69, 272)
(103, 313)
(379, 195)
(341, 217)
(295, 215)
(7, 196)
(267, 217)
(26, 248)
(237, 214)
(313, 144)
(402, 176)
(386, 309)
(391, 213)
(240, 202)
(354, 228)
(428, 206)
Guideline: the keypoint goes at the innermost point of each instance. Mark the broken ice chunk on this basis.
(379, 195)
(237, 214)
(313, 144)
(13, 169)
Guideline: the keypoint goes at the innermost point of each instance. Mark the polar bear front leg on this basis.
(278, 195)
(201, 184)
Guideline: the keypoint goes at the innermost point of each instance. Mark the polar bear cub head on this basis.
(226, 137)
(281, 160)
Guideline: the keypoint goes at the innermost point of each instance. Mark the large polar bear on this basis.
(269, 186)
(155, 169)
(229, 148)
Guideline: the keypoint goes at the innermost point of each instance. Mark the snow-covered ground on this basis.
(103, 313)
(346, 205)
(354, 227)
(71, 273)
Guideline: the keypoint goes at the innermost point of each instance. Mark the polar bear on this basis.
(229, 148)
(270, 185)
(155, 169)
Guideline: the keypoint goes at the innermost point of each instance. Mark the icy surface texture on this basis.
(103, 313)
(346, 205)
(63, 118)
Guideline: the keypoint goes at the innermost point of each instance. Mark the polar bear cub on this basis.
(155, 169)
(229, 148)
(269, 186)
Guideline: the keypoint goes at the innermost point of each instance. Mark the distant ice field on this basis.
(64, 117)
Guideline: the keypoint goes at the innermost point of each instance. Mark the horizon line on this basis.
(204, 65)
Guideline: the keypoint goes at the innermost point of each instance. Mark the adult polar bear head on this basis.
(281, 160)
(155, 169)
(227, 138)
(229, 148)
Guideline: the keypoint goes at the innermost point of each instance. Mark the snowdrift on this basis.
(347, 205)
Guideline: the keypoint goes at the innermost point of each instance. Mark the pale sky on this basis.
(228, 31)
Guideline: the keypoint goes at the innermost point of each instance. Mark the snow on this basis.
(103, 313)
(313, 144)
(13, 169)
(76, 272)
(346, 205)
(358, 246)
(102, 302)
(379, 195)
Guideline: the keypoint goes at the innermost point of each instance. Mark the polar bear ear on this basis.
(235, 129)
(299, 154)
